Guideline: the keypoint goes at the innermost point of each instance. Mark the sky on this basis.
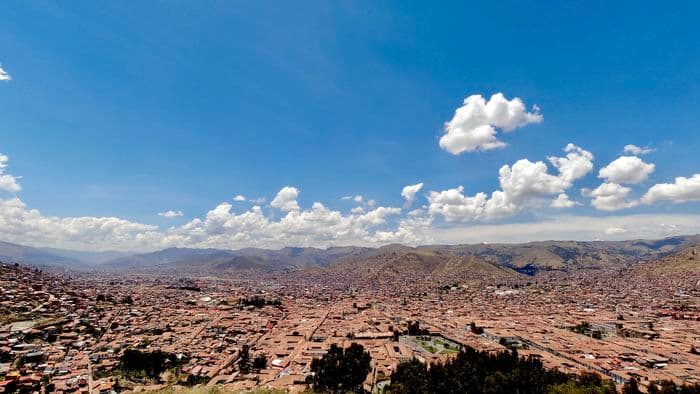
(144, 125)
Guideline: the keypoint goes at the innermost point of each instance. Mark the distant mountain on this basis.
(686, 261)
(166, 258)
(398, 260)
(527, 258)
(49, 257)
(557, 255)
(219, 260)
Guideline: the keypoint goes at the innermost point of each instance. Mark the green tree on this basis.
(341, 371)
(631, 387)
(259, 362)
(244, 359)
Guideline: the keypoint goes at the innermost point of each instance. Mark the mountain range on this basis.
(497, 259)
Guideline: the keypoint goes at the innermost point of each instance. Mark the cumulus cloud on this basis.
(575, 165)
(615, 231)
(4, 76)
(610, 197)
(453, 205)
(318, 226)
(286, 199)
(409, 193)
(626, 169)
(239, 197)
(636, 150)
(523, 184)
(7, 182)
(28, 226)
(562, 201)
(682, 190)
(476, 124)
(170, 214)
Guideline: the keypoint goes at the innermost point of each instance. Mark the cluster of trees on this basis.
(340, 370)
(245, 364)
(473, 371)
(585, 329)
(258, 302)
(414, 329)
(664, 387)
(137, 364)
(109, 298)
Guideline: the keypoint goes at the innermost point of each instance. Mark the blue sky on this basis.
(130, 109)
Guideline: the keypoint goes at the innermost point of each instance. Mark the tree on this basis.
(631, 387)
(136, 363)
(341, 371)
(410, 378)
(244, 359)
(479, 372)
(259, 362)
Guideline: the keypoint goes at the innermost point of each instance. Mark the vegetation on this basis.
(476, 330)
(213, 390)
(258, 302)
(668, 387)
(340, 370)
(586, 329)
(135, 364)
(244, 359)
(473, 371)
(259, 362)
(414, 329)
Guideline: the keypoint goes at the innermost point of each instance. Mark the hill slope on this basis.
(397, 260)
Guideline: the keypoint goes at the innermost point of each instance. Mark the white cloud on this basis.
(524, 184)
(626, 169)
(615, 231)
(682, 190)
(453, 205)
(4, 76)
(563, 227)
(356, 198)
(28, 226)
(7, 182)
(409, 193)
(170, 214)
(318, 226)
(286, 199)
(577, 163)
(636, 150)
(475, 125)
(259, 200)
(239, 197)
(562, 201)
(610, 197)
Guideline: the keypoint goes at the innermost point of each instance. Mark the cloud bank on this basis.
(533, 195)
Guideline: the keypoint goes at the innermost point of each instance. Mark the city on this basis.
(69, 330)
